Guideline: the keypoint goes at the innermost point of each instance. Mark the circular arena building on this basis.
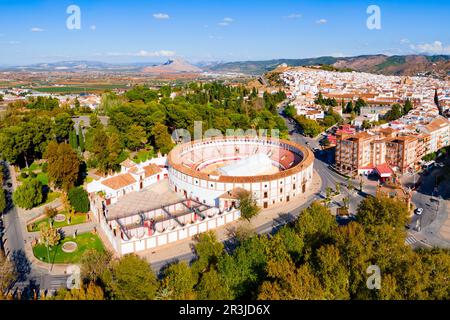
(212, 171)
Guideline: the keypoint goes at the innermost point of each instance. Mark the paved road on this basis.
(434, 200)
(14, 241)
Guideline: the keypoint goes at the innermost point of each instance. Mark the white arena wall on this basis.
(267, 190)
(135, 244)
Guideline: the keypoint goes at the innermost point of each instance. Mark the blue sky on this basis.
(199, 30)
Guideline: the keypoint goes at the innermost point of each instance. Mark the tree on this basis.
(115, 149)
(93, 264)
(90, 291)
(94, 121)
(356, 254)
(395, 112)
(73, 140)
(136, 137)
(3, 203)
(360, 103)
(247, 205)
(350, 186)
(63, 165)
(162, 139)
(50, 212)
(346, 202)
(212, 286)
(63, 126)
(315, 226)
(290, 111)
(106, 150)
(29, 194)
(380, 210)
(130, 278)
(407, 107)
(8, 275)
(179, 281)
(309, 127)
(81, 138)
(76, 104)
(349, 107)
(332, 273)
(208, 251)
(286, 282)
(366, 125)
(50, 236)
(329, 194)
(79, 199)
(338, 188)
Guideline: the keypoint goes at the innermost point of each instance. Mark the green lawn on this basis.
(76, 219)
(43, 178)
(36, 168)
(85, 241)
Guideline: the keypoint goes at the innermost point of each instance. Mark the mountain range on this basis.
(406, 65)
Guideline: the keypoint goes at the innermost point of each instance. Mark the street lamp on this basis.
(48, 256)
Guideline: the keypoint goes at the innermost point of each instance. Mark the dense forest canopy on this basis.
(142, 119)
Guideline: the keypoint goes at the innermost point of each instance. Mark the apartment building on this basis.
(364, 151)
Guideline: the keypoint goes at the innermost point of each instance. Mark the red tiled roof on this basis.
(151, 170)
(119, 182)
(384, 169)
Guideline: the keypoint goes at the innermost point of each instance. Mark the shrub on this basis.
(45, 167)
(79, 199)
(50, 212)
(23, 175)
(29, 194)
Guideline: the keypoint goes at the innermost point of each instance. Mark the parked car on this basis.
(418, 211)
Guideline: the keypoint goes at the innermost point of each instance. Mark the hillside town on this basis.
(303, 85)
(394, 146)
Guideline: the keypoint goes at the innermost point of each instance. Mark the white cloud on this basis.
(338, 55)
(293, 16)
(437, 47)
(322, 21)
(144, 53)
(404, 41)
(35, 29)
(161, 16)
(13, 42)
(93, 27)
(225, 22)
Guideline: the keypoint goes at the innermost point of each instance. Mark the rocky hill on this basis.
(172, 66)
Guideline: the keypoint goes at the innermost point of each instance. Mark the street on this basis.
(18, 249)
